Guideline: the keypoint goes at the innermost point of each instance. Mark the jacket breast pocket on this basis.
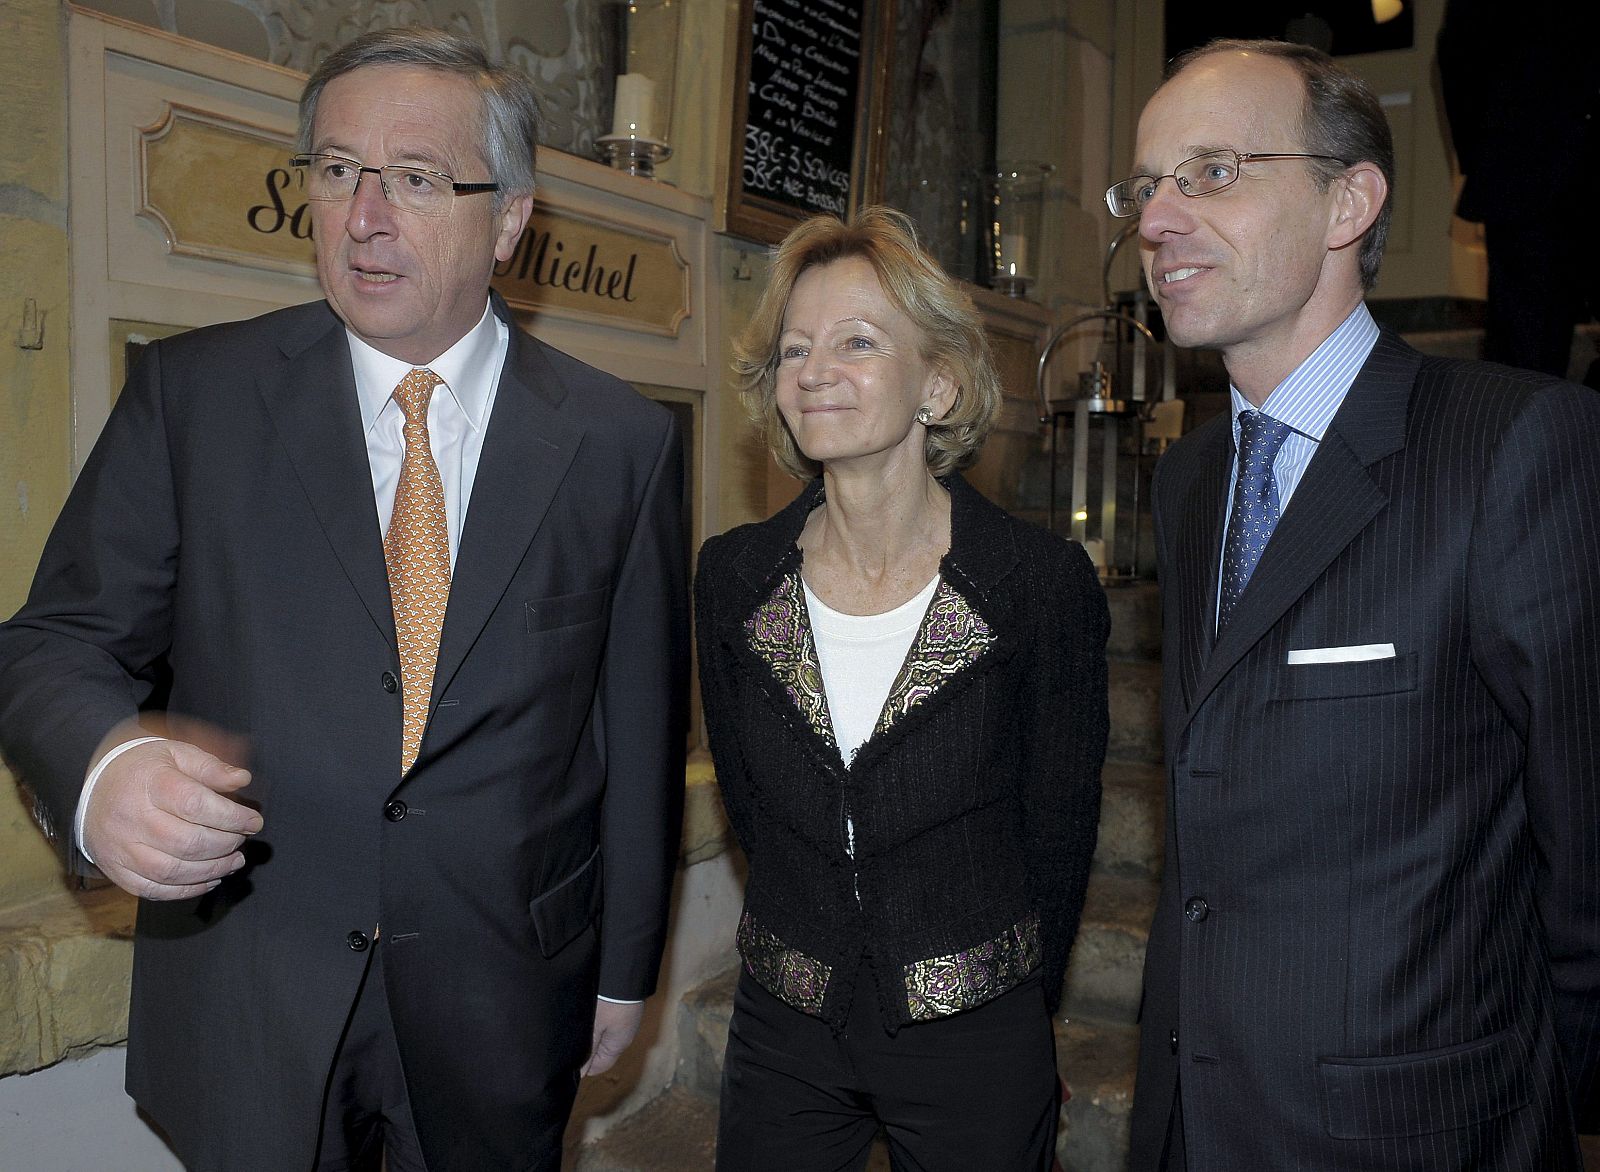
(569, 907)
(1337, 681)
(565, 610)
(1425, 1092)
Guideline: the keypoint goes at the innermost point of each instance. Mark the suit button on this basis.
(1172, 1040)
(1196, 909)
(357, 941)
(390, 684)
(395, 811)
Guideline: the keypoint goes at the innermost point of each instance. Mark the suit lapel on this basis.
(527, 451)
(1198, 535)
(958, 630)
(1334, 501)
(313, 407)
(969, 625)
(779, 633)
(951, 636)
(765, 624)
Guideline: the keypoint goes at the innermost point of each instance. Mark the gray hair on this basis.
(1341, 117)
(511, 120)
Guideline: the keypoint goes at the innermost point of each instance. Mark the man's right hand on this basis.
(160, 822)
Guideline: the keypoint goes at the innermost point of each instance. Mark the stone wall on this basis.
(35, 399)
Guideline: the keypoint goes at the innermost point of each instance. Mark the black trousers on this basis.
(1173, 1158)
(1534, 272)
(366, 1116)
(977, 1090)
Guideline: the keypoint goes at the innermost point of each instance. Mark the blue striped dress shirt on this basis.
(1307, 401)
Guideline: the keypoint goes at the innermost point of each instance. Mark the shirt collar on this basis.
(467, 369)
(1309, 398)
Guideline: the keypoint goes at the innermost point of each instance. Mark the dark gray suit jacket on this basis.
(220, 557)
(1378, 939)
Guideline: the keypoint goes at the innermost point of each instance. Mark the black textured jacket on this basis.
(974, 802)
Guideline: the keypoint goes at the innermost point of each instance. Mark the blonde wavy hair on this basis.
(952, 337)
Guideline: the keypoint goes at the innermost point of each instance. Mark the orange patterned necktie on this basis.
(417, 552)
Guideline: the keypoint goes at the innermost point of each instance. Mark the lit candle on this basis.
(636, 94)
(1014, 253)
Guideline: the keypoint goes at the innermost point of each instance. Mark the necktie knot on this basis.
(1260, 437)
(414, 392)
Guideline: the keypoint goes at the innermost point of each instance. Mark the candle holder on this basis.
(632, 154)
(1013, 193)
(646, 63)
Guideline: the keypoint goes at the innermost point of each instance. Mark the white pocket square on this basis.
(1358, 654)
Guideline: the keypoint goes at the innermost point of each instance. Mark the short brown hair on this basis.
(952, 337)
(1342, 117)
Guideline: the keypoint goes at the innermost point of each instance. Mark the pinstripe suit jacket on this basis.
(1378, 938)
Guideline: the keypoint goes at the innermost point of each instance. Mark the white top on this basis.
(860, 656)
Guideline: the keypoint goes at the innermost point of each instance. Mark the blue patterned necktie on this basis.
(1255, 506)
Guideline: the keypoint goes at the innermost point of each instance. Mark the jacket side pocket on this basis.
(569, 907)
(1425, 1092)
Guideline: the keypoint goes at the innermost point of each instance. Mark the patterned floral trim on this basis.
(944, 985)
(793, 977)
(952, 635)
(780, 633)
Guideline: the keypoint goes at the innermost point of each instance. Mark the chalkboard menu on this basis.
(802, 137)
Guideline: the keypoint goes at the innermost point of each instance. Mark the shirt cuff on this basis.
(88, 788)
(613, 1000)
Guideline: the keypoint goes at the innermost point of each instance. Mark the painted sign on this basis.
(593, 271)
(223, 190)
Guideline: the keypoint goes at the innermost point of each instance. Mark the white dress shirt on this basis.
(458, 416)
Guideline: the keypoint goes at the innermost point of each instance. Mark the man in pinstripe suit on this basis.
(1378, 940)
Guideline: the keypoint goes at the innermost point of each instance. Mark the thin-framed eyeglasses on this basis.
(416, 189)
(1204, 174)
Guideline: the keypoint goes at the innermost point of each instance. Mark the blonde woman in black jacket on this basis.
(905, 690)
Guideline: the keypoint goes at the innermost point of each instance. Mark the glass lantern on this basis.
(1013, 199)
(647, 39)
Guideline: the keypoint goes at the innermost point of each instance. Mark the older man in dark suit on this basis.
(1378, 939)
(429, 571)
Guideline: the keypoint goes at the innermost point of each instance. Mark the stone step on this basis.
(1097, 1061)
(64, 971)
(1132, 818)
(1106, 972)
(1135, 702)
(676, 1133)
(703, 1033)
(1135, 621)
